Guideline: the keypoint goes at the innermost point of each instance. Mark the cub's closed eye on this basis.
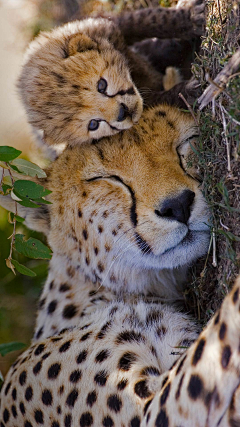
(102, 85)
(93, 125)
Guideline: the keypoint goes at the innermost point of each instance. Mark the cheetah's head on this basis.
(128, 203)
(76, 88)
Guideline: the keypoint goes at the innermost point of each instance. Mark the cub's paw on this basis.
(196, 10)
(192, 90)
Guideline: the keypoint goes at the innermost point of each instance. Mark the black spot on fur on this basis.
(72, 397)
(217, 319)
(101, 378)
(38, 415)
(22, 378)
(69, 311)
(122, 384)
(165, 394)
(135, 422)
(64, 287)
(82, 356)
(22, 408)
(47, 397)
(75, 376)
(126, 361)
(114, 403)
(14, 411)
(103, 330)
(7, 389)
(41, 303)
(151, 370)
(39, 332)
(27, 424)
(222, 331)
(14, 394)
(147, 406)
(55, 424)
(226, 355)
(101, 356)
(52, 307)
(54, 371)
(91, 398)
(6, 415)
(141, 389)
(235, 296)
(162, 419)
(170, 124)
(64, 347)
(37, 368)
(86, 336)
(198, 352)
(195, 387)
(86, 419)
(85, 234)
(29, 394)
(39, 349)
(79, 213)
(68, 420)
(129, 336)
(107, 422)
(161, 113)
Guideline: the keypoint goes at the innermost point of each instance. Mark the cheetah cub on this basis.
(81, 81)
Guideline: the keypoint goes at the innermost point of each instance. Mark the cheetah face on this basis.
(76, 89)
(128, 202)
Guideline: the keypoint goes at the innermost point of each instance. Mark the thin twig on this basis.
(220, 16)
(226, 138)
(214, 263)
(189, 108)
(14, 222)
(230, 117)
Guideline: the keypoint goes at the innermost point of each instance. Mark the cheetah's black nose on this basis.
(123, 113)
(177, 208)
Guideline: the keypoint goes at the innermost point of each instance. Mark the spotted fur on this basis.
(82, 81)
(123, 225)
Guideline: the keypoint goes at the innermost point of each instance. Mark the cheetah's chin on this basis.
(194, 245)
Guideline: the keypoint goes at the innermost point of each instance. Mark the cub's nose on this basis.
(178, 208)
(123, 113)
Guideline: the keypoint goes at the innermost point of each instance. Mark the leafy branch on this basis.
(26, 193)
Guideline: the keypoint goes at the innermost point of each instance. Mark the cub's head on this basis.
(128, 204)
(77, 88)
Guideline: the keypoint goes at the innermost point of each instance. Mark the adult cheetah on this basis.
(123, 226)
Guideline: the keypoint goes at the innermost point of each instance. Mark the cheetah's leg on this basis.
(175, 22)
(199, 388)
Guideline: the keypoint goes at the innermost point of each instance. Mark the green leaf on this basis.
(43, 201)
(29, 189)
(6, 188)
(32, 248)
(17, 217)
(10, 346)
(8, 153)
(22, 269)
(28, 203)
(28, 168)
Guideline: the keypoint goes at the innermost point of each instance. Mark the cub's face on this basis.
(75, 89)
(128, 202)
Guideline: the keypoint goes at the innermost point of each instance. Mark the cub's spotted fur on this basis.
(81, 81)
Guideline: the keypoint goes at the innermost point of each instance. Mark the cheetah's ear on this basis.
(37, 219)
(80, 43)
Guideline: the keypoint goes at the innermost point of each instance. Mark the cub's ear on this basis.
(37, 219)
(80, 43)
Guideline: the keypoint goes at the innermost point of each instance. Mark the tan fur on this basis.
(122, 360)
(59, 79)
